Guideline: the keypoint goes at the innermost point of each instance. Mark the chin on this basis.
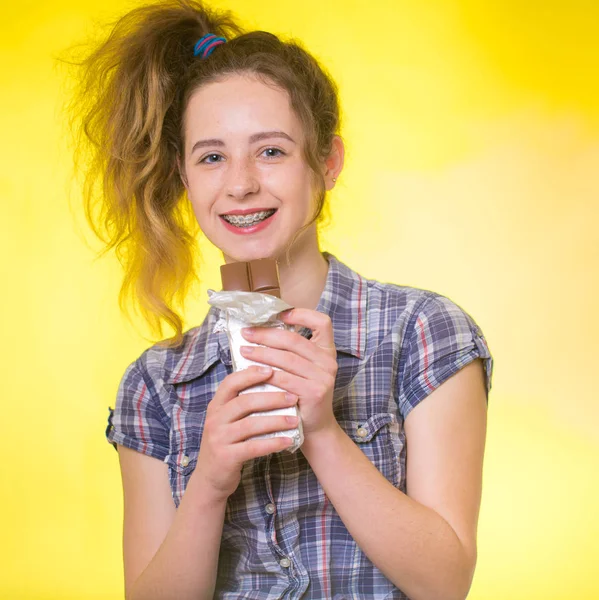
(252, 252)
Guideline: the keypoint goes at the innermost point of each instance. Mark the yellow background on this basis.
(472, 134)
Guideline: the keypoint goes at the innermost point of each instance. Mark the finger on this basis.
(292, 342)
(255, 448)
(304, 388)
(319, 323)
(236, 382)
(250, 427)
(288, 361)
(252, 402)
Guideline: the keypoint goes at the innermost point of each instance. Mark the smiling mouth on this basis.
(250, 219)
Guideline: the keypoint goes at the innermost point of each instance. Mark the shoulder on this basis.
(141, 419)
(399, 311)
(409, 306)
(402, 309)
(395, 299)
(144, 385)
(380, 301)
(161, 364)
(433, 337)
(425, 326)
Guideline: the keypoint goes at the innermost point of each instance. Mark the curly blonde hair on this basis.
(126, 115)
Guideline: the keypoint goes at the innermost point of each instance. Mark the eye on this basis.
(209, 162)
(276, 150)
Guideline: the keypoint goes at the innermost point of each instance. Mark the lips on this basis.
(251, 222)
(249, 218)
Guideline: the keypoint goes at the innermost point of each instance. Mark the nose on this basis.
(242, 179)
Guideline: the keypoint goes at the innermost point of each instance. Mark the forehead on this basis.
(240, 105)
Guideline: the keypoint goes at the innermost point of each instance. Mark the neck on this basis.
(302, 271)
(303, 278)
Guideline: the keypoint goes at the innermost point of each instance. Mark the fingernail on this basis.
(290, 397)
(247, 349)
(247, 331)
(291, 420)
(265, 370)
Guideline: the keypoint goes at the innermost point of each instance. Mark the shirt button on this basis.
(285, 563)
(362, 432)
(185, 460)
(270, 509)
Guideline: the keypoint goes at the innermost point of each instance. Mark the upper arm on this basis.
(445, 436)
(149, 510)
(139, 429)
(443, 392)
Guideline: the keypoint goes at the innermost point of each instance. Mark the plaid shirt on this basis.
(282, 537)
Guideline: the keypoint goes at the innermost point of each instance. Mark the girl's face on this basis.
(247, 181)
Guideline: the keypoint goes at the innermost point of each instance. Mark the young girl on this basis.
(184, 110)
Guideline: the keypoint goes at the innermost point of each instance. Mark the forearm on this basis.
(410, 543)
(185, 565)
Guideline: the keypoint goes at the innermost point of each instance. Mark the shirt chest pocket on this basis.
(380, 440)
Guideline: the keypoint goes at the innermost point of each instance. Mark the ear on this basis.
(334, 162)
(182, 174)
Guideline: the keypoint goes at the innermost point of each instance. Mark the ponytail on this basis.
(127, 119)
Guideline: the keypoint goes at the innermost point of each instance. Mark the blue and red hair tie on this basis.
(205, 45)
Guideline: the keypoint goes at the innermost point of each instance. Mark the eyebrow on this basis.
(256, 137)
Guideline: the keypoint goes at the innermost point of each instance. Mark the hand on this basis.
(308, 367)
(225, 445)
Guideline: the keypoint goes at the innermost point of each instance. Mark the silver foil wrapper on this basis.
(253, 309)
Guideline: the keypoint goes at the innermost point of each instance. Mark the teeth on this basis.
(247, 220)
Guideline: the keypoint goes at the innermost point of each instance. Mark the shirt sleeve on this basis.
(136, 420)
(444, 338)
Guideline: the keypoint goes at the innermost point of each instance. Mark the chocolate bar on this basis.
(260, 275)
(251, 297)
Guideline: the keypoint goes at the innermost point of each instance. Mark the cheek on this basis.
(201, 208)
(292, 183)
(201, 192)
